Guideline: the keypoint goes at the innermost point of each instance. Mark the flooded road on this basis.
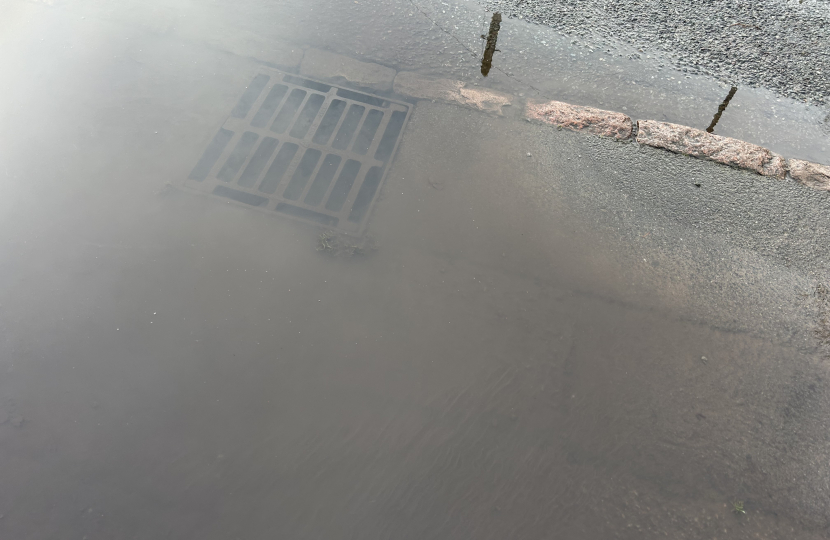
(529, 333)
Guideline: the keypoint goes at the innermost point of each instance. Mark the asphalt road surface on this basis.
(545, 334)
(776, 44)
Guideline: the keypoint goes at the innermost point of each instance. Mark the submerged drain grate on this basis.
(302, 148)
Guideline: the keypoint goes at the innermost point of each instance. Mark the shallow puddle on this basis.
(509, 340)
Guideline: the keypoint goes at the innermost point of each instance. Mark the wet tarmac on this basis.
(540, 333)
(444, 38)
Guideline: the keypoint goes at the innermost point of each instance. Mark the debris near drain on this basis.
(16, 419)
(166, 189)
(341, 245)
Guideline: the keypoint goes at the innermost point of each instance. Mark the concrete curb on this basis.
(810, 174)
(578, 118)
(264, 49)
(418, 86)
(681, 140)
(698, 143)
(326, 65)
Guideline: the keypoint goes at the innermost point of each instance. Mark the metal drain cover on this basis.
(302, 148)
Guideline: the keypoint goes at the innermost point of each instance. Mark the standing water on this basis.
(248, 294)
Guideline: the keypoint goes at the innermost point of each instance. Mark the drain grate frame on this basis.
(302, 148)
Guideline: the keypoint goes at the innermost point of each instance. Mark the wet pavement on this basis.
(541, 334)
(777, 44)
(444, 39)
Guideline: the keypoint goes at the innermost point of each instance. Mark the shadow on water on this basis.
(721, 108)
(490, 48)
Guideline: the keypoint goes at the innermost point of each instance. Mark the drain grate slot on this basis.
(238, 156)
(366, 194)
(302, 174)
(241, 196)
(249, 97)
(343, 185)
(363, 98)
(288, 110)
(278, 168)
(258, 161)
(390, 136)
(329, 122)
(321, 183)
(303, 148)
(306, 83)
(211, 155)
(367, 132)
(304, 213)
(307, 116)
(269, 106)
(348, 127)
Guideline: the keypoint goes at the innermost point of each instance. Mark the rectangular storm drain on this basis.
(302, 148)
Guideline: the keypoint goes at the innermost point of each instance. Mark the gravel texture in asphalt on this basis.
(783, 45)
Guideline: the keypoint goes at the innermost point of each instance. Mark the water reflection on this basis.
(490, 47)
(486, 370)
(721, 108)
